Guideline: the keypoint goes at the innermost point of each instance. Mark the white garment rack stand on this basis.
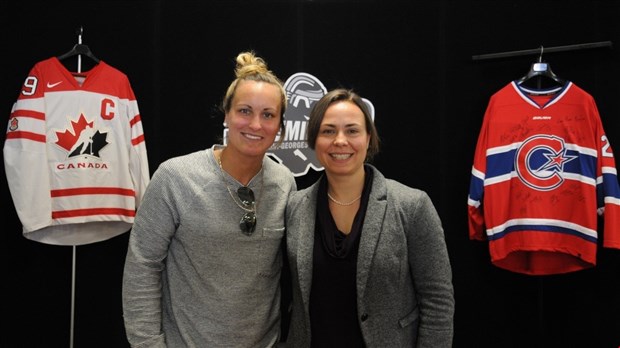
(73, 259)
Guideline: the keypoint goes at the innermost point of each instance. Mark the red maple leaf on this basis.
(67, 138)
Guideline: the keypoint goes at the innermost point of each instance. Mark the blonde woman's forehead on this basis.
(257, 93)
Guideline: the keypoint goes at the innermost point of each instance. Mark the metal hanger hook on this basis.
(79, 31)
(541, 54)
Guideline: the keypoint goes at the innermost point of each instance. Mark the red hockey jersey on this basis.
(74, 154)
(543, 169)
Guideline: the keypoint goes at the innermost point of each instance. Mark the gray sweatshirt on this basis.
(192, 278)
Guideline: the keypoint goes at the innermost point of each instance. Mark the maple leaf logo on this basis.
(82, 138)
(69, 137)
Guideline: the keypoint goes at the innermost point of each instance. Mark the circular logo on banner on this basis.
(302, 91)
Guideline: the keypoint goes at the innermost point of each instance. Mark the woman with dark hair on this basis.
(369, 263)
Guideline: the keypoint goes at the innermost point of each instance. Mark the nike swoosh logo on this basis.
(52, 85)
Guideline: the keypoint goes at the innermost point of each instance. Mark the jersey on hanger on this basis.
(74, 154)
(543, 168)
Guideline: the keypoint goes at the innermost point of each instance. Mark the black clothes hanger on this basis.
(79, 49)
(541, 70)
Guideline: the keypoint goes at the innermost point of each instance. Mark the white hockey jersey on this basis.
(74, 155)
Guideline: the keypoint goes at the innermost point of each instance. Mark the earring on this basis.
(225, 124)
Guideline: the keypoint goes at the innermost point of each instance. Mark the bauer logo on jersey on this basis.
(540, 161)
(82, 139)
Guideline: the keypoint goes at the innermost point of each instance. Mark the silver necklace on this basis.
(240, 205)
(342, 203)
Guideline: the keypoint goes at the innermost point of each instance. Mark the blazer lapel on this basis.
(373, 225)
(305, 244)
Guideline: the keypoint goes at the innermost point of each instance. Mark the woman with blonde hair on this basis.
(204, 259)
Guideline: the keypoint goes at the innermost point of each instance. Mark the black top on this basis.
(333, 297)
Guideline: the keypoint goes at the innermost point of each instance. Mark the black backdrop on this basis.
(412, 59)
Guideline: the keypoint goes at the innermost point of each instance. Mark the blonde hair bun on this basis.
(249, 64)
